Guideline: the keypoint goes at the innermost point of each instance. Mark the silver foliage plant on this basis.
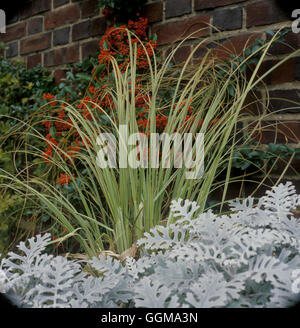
(249, 258)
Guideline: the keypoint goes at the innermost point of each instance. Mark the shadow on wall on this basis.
(12, 7)
(287, 6)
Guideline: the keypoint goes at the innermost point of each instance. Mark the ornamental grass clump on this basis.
(110, 208)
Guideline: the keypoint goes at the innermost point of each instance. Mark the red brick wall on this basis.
(240, 22)
(54, 32)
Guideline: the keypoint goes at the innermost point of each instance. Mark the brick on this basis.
(98, 26)
(12, 50)
(34, 60)
(253, 103)
(263, 68)
(62, 56)
(182, 54)
(58, 3)
(175, 8)
(285, 101)
(62, 16)
(290, 42)
(293, 168)
(173, 31)
(88, 8)
(203, 49)
(61, 36)
(14, 32)
(81, 31)
(209, 4)
(39, 6)
(235, 45)
(59, 75)
(284, 73)
(228, 19)
(297, 69)
(263, 13)
(35, 43)
(35, 25)
(90, 48)
(278, 132)
(26, 11)
(153, 11)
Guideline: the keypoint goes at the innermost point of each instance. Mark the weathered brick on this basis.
(14, 32)
(263, 13)
(278, 132)
(228, 19)
(285, 101)
(173, 31)
(182, 54)
(35, 43)
(176, 8)
(89, 48)
(293, 168)
(88, 8)
(235, 45)
(12, 50)
(35, 25)
(59, 75)
(208, 4)
(39, 6)
(33, 7)
(58, 3)
(153, 11)
(290, 43)
(26, 11)
(81, 31)
(34, 60)
(62, 56)
(98, 26)
(203, 49)
(253, 103)
(263, 68)
(61, 36)
(283, 73)
(62, 16)
(297, 69)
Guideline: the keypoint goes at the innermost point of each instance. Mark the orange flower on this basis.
(64, 179)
